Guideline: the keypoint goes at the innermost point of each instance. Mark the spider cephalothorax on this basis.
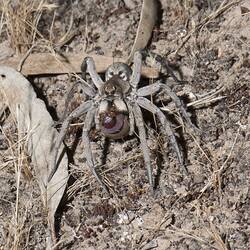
(113, 111)
(115, 108)
(121, 70)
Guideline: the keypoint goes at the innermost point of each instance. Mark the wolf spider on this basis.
(114, 107)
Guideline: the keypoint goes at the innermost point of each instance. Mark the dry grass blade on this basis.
(217, 238)
(185, 234)
(208, 98)
(21, 20)
(144, 31)
(87, 179)
(201, 100)
(35, 122)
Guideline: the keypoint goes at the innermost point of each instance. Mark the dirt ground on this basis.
(208, 208)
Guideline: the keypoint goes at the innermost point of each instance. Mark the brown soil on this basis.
(207, 209)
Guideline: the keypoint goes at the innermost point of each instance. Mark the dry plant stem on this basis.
(22, 19)
(202, 100)
(65, 38)
(17, 152)
(207, 98)
(68, 35)
(217, 238)
(108, 167)
(185, 234)
(1, 22)
(20, 65)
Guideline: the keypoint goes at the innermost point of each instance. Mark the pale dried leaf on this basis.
(34, 121)
(147, 22)
(47, 64)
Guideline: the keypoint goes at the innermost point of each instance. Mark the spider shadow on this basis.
(105, 150)
(62, 207)
(69, 152)
(40, 94)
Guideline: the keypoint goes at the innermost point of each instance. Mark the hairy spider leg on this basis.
(143, 142)
(88, 65)
(87, 147)
(156, 87)
(83, 108)
(160, 64)
(165, 129)
(87, 89)
(131, 118)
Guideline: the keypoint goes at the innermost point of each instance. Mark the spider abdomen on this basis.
(110, 122)
(114, 125)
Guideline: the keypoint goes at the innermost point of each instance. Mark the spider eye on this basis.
(110, 74)
(122, 75)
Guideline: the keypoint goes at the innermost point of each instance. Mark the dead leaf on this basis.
(146, 24)
(35, 122)
(47, 64)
